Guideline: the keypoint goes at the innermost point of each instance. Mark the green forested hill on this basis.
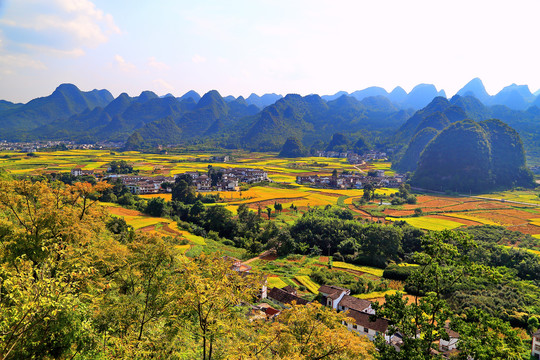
(65, 101)
(469, 156)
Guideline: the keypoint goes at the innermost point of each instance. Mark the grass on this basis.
(306, 281)
(364, 269)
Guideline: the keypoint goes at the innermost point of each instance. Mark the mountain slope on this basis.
(65, 101)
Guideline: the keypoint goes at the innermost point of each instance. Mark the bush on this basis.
(228, 242)
(411, 199)
(396, 272)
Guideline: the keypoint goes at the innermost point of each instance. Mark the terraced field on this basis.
(438, 212)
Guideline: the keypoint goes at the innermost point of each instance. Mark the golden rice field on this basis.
(364, 269)
(306, 281)
(376, 294)
(275, 281)
(154, 225)
(440, 212)
(429, 223)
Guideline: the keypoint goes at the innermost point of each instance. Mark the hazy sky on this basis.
(281, 46)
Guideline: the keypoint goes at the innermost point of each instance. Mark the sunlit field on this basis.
(517, 210)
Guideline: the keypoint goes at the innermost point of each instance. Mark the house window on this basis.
(444, 348)
(355, 326)
(366, 330)
(537, 347)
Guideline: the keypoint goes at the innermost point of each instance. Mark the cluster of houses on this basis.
(352, 181)
(228, 180)
(41, 145)
(359, 312)
(353, 157)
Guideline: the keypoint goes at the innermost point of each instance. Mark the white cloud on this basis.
(198, 59)
(123, 64)
(163, 86)
(10, 62)
(158, 65)
(58, 24)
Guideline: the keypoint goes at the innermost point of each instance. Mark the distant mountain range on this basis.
(400, 120)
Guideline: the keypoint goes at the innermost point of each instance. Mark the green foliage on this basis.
(409, 160)
(469, 156)
(443, 264)
(293, 148)
(120, 167)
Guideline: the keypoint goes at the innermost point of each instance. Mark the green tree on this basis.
(183, 190)
(444, 265)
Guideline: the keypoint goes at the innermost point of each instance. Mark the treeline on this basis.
(72, 289)
(333, 231)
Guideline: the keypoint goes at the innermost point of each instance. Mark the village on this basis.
(355, 180)
(223, 180)
(361, 315)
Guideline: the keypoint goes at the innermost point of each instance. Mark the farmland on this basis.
(517, 210)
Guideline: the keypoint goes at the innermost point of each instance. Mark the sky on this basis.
(265, 46)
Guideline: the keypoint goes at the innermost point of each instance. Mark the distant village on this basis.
(34, 146)
(354, 180)
(227, 180)
(353, 157)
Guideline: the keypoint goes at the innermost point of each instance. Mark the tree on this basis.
(369, 192)
(47, 241)
(156, 207)
(269, 212)
(183, 190)
(308, 331)
(120, 167)
(444, 264)
(210, 292)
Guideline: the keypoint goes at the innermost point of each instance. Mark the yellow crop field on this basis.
(139, 222)
(386, 191)
(275, 281)
(95, 165)
(472, 218)
(306, 281)
(364, 269)
(515, 195)
(429, 223)
(166, 197)
(376, 294)
(183, 248)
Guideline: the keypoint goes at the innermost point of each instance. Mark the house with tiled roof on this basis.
(352, 303)
(284, 298)
(363, 324)
(331, 295)
(450, 344)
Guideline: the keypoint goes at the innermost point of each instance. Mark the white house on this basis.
(451, 343)
(332, 295)
(352, 303)
(536, 345)
(362, 324)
